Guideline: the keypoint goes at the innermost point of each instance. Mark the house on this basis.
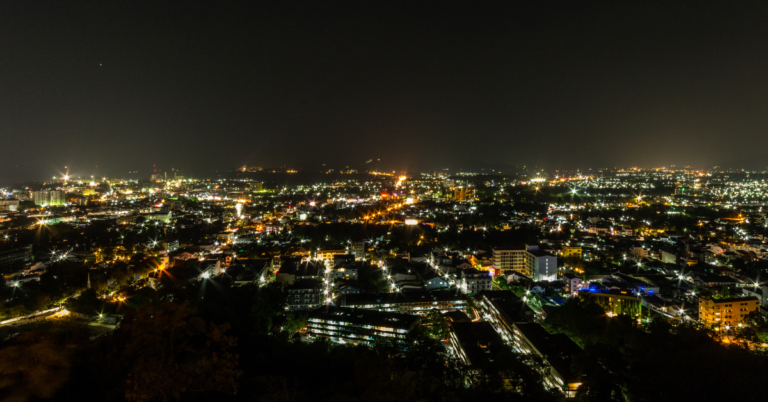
(433, 281)
(343, 260)
(514, 276)
(572, 283)
(347, 288)
(348, 273)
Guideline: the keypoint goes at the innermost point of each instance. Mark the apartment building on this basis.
(726, 312)
(531, 262)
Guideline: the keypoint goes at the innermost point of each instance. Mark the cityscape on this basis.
(544, 285)
(292, 201)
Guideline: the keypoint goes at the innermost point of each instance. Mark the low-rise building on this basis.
(614, 301)
(433, 281)
(170, 245)
(571, 251)
(328, 254)
(476, 344)
(305, 294)
(347, 273)
(726, 312)
(531, 262)
(473, 281)
(366, 327)
(572, 283)
(555, 349)
(10, 254)
(416, 302)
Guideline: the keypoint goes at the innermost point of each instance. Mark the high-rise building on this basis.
(57, 198)
(358, 249)
(53, 198)
(463, 193)
(41, 198)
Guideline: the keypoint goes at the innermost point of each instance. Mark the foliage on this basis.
(471, 306)
(171, 352)
(435, 325)
(621, 359)
(294, 322)
(34, 366)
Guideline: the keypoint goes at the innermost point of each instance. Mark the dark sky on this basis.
(123, 85)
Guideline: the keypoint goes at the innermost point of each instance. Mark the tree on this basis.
(171, 352)
(34, 366)
(471, 306)
(295, 322)
(436, 325)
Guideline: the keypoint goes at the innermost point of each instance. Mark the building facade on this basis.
(531, 262)
(53, 198)
(328, 254)
(571, 251)
(9, 255)
(726, 312)
(304, 295)
(366, 327)
(473, 281)
(417, 302)
(614, 301)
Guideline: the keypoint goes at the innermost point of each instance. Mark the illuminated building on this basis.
(40, 198)
(48, 198)
(730, 311)
(416, 302)
(328, 254)
(366, 327)
(571, 251)
(463, 193)
(358, 249)
(531, 262)
(614, 301)
(164, 217)
(57, 198)
(9, 205)
(473, 281)
(304, 294)
(345, 272)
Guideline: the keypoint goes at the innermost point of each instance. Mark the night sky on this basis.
(123, 85)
